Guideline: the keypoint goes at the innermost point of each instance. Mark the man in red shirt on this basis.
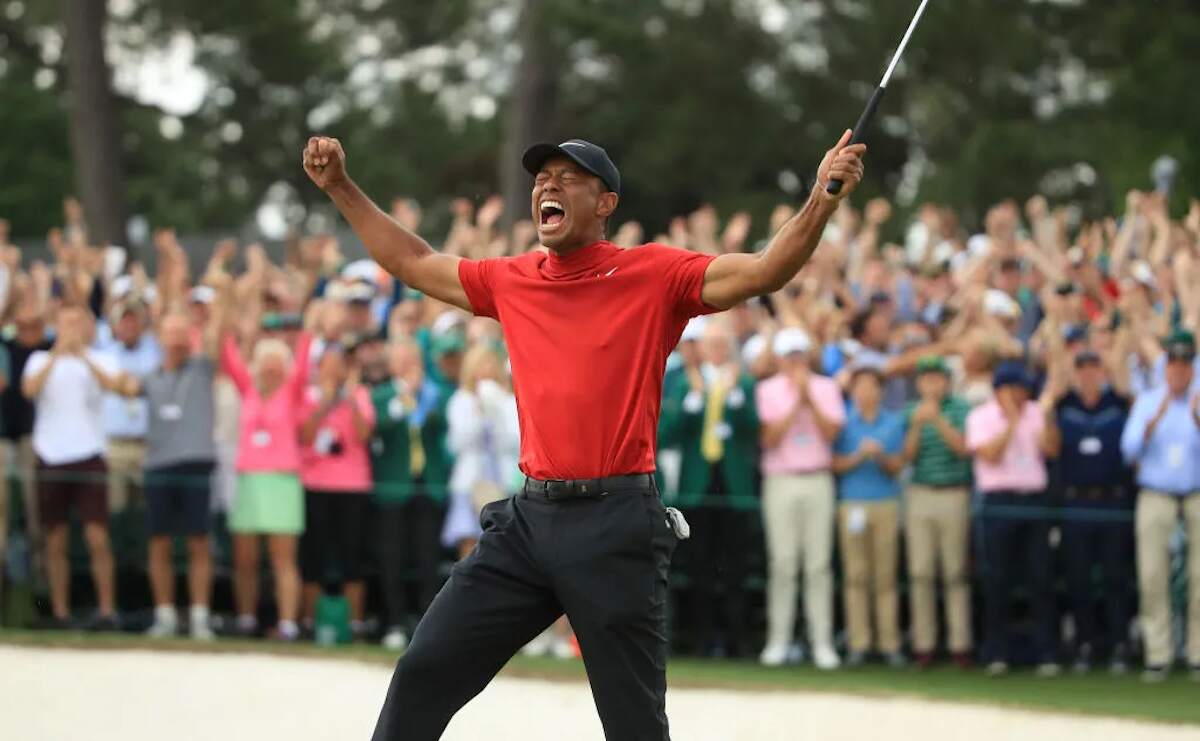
(588, 328)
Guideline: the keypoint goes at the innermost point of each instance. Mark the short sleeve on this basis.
(894, 442)
(35, 364)
(106, 362)
(977, 429)
(683, 271)
(766, 402)
(828, 397)
(843, 445)
(478, 278)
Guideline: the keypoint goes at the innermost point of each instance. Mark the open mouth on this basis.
(552, 213)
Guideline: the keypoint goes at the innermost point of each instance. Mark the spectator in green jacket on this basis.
(715, 422)
(409, 465)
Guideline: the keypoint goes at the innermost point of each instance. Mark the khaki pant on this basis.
(798, 523)
(18, 458)
(867, 533)
(937, 523)
(1157, 516)
(125, 459)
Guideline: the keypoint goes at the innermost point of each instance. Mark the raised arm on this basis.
(400, 252)
(734, 277)
(234, 364)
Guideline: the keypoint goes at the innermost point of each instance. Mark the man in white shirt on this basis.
(67, 385)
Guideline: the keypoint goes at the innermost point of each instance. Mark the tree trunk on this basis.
(93, 121)
(531, 109)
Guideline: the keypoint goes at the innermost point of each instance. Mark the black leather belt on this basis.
(560, 489)
(1095, 492)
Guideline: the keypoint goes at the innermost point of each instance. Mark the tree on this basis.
(99, 175)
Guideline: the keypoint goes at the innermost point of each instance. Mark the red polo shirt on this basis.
(588, 337)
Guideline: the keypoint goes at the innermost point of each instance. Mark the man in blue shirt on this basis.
(1163, 439)
(868, 457)
(126, 420)
(1086, 439)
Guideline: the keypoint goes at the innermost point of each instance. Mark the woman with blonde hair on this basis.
(484, 437)
(268, 501)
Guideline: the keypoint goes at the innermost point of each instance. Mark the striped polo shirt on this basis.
(935, 463)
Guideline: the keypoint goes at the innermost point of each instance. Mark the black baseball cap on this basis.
(590, 157)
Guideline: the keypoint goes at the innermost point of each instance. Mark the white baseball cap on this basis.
(362, 270)
(694, 330)
(753, 348)
(202, 295)
(791, 340)
(998, 303)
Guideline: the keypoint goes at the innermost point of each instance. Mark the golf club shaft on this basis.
(864, 121)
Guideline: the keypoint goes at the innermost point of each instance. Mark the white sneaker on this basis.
(541, 645)
(395, 640)
(198, 624)
(202, 632)
(774, 655)
(561, 649)
(166, 623)
(825, 658)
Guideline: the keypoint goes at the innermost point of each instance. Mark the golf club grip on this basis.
(860, 131)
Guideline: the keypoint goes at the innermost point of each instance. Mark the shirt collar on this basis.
(579, 263)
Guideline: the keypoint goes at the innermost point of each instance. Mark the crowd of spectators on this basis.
(1001, 430)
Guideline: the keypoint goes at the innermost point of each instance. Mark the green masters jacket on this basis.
(684, 427)
(391, 446)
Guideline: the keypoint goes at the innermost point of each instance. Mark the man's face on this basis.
(199, 312)
(174, 334)
(689, 352)
(72, 326)
(717, 345)
(878, 328)
(404, 361)
(358, 315)
(569, 204)
(933, 385)
(1090, 377)
(866, 392)
(1180, 372)
(1009, 280)
(128, 328)
(1013, 395)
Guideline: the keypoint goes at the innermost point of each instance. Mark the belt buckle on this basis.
(558, 489)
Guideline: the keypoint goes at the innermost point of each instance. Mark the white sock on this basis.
(166, 615)
(247, 622)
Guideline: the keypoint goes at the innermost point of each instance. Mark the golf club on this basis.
(864, 121)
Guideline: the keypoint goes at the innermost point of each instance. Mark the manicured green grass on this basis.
(1175, 701)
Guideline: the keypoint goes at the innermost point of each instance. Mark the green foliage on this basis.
(695, 99)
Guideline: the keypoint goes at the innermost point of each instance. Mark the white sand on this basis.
(59, 694)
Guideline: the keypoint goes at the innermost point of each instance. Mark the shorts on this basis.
(177, 499)
(268, 502)
(82, 485)
(336, 535)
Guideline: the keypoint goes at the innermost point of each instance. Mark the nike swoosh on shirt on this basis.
(610, 272)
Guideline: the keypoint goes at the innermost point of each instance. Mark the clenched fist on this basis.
(324, 161)
(843, 162)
